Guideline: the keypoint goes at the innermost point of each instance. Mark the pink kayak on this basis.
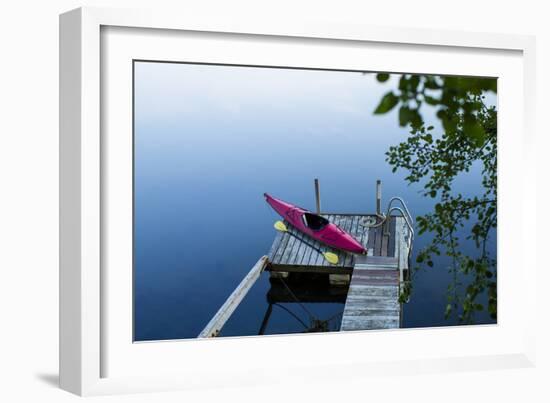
(315, 226)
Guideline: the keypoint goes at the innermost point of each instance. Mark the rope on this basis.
(311, 316)
(382, 218)
(292, 314)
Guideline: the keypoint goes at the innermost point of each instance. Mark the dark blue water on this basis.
(209, 141)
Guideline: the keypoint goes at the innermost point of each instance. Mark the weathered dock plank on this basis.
(372, 238)
(362, 234)
(372, 301)
(349, 224)
(275, 246)
(282, 241)
(359, 323)
(378, 241)
(402, 235)
(215, 325)
(391, 243)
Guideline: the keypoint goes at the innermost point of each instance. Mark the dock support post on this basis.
(266, 319)
(339, 279)
(317, 196)
(378, 197)
(278, 274)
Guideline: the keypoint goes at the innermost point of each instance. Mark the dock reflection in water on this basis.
(292, 293)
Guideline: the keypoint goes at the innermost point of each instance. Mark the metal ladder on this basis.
(404, 211)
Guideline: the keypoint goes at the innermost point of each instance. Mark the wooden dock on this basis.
(374, 280)
(289, 254)
(369, 284)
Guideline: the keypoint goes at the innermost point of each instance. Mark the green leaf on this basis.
(431, 100)
(407, 115)
(416, 119)
(382, 77)
(413, 82)
(387, 103)
(474, 130)
(403, 83)
(404, 115)
(430, 83)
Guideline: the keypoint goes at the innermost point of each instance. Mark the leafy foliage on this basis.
(437, 159)
(458, 99)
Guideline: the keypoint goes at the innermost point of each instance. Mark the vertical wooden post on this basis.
(378, 196)
(266, 319)
(317, 196)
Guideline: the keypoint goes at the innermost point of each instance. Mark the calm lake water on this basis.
(209, 141)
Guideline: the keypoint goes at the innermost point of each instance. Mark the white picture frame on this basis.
(86, 345)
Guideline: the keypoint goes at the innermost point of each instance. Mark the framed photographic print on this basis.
(236, 194)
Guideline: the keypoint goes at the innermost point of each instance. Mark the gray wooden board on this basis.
(402, 231)
(350, 223)
(372, 313)
(295, 246)
(391, 243)
(379, 261)
(377, 275)
(363, 235)
(372, 304)
(384, 247)
(289, 246)
(372, 238)
(378, 241)
(313, 254)
(283, 241)
(373, 290)
(275, 246)
(359, 323)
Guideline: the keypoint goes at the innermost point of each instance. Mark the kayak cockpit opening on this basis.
(314, 222)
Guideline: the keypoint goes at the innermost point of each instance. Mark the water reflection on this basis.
(298, 292)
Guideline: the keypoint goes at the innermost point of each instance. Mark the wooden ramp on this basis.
(372, 301)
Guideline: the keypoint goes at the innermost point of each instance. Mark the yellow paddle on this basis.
(329, 256)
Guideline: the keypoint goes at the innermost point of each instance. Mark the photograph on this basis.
(242, 201)
(274, 200)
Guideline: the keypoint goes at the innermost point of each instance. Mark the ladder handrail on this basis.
(406, 215)
(400, 200)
